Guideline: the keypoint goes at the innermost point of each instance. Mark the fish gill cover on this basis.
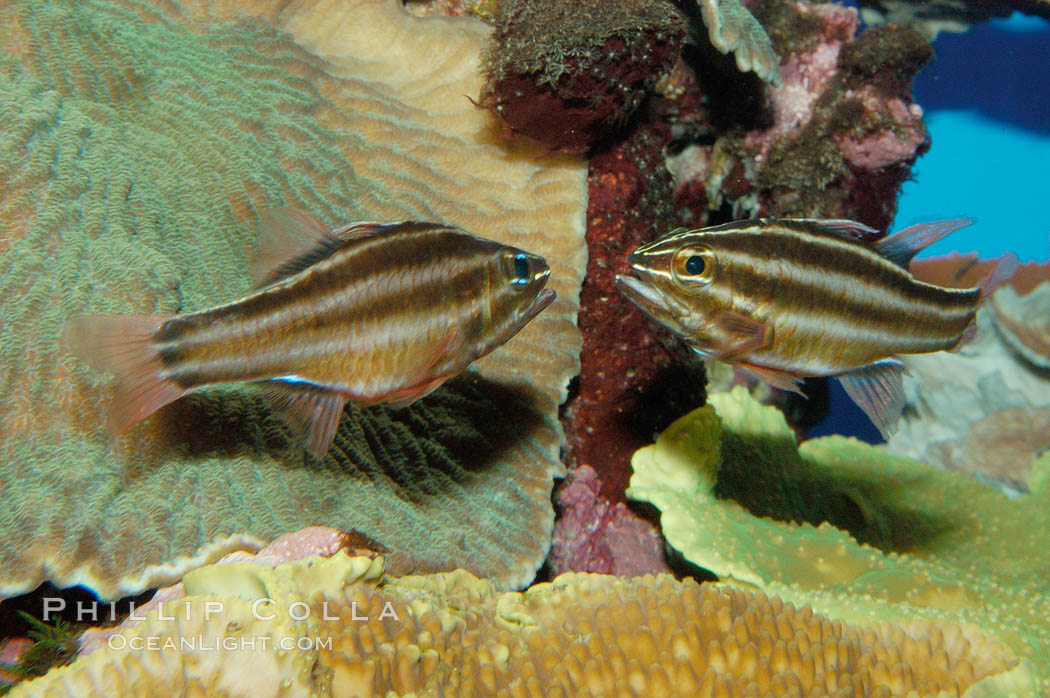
(140, 141)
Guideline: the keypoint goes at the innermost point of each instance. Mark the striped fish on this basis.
(366, 313)
(786, 299)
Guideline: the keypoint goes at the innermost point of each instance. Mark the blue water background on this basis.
(986, 99)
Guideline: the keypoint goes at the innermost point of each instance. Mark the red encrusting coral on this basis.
(633, 381)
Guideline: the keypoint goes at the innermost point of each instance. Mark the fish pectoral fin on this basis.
(406, 396)
(290, 241)
(904, 244)
(878, 390)
(775, 377)
(311, 409)
(743, 334)
(425, 383)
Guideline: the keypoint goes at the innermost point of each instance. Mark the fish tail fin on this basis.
(1006, 268)
(123, 345)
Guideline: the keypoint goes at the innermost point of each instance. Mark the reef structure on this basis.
(566, 73)
(850, 530)
(341, 626)
(142, 141)
(835, 139)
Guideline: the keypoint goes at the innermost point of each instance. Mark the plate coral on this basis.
(841, 526)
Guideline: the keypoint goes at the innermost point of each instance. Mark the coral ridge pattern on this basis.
(140, 142)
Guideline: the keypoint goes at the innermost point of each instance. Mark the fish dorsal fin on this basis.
(877, 389)
(842, 228)
(290, 241)
(904, 244)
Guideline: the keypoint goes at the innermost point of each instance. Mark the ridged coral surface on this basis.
(140, 140)
(844, 527)
(581, 635)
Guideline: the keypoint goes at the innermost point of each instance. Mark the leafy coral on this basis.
(737, 498)
(139, 142)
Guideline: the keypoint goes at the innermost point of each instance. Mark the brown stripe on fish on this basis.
(351, 304)
(818, 288)
(842, 298)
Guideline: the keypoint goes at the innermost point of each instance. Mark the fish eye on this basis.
(517, 270)
(521, 269)
(693, 267)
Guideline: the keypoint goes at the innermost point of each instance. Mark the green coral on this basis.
(739, 499)
(139, 142)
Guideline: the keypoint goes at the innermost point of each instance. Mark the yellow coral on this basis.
(938, 546)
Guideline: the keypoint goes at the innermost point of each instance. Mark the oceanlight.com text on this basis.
(200, 643)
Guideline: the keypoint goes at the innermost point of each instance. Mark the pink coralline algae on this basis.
(594, 535)
(804, 77)
(835, 139)
(889, 146)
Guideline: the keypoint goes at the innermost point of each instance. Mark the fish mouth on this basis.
(643, 295)
(543, 299)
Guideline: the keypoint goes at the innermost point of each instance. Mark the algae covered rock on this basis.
(846, 528)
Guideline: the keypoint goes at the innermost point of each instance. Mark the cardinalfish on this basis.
(787, 299)
(366, 313)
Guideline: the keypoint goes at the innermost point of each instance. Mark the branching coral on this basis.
(454, 635)
(848, 529)
(733, 30)
(140, 141)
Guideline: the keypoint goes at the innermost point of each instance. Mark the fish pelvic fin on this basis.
(424, 381)
(903, 245)
(123, 345)
(310, 409)
(406, 396)
(775, 377)
(878, 390)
